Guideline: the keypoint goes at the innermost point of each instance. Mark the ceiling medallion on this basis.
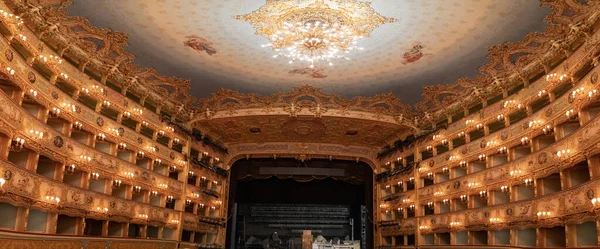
(314, 31)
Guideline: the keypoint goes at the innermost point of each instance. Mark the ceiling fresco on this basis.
(430, 42)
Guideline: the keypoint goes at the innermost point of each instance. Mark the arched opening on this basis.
(333, 199)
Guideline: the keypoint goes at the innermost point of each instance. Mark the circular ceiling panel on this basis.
(431, 42)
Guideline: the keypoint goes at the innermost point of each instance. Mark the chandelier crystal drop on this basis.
(314, 31)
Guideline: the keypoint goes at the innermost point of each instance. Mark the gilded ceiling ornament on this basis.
(314, 31)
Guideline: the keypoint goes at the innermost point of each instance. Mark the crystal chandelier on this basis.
(314, 31)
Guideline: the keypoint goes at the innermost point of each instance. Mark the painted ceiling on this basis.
(432, 42)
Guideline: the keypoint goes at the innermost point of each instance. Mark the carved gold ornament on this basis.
(314, 31)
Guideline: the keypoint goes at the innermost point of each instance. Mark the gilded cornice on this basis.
(510, 63)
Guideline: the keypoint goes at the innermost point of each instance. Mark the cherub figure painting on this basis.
(414, 54)
(199, 44)
(315, 73)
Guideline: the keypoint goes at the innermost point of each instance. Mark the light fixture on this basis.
(503, 150)
(94, 176)
(314, 31)
(479, 126)
(161, 133)
(461, 134)
(175, 141)
(571, 114)
(483, 194)
(405, 201)
(444, 142)
(173, 168)
(101, 137)
(129, 174)
(102, 209)
(154, 193)
(144, 123)
(36, 134)
(411, 179)
(33, 93)
(117, 183)
(84, 90)
(541, 93)
(126, 114)
(430, 174)
(157, 161)
(54, 112)
(446, 201)
(445, 170)
(562, 153)
(411, 207)
(53, 199)
(163, 186)
(105, 104)
(452, 158)
(472, 184)
(495, 220)
(190, 173)
(188, 202)
(423, 227)
(500, 117)
(77, 126)
(504, 189)
(595, 201)
(515, 172)
(143, 216)
(174, 221)
(16, 144)
(462, 164)
(524, 140)
(10, 71)
(482, 157)
(170, 199)
(454, 224)
(548, 130)
(528, 182)
(469, 122)
(400, 209)
(592, 93)
(141, 154)
(464, 198)
(69, 169)
(85, 158)
(543, 214)
(399, 159)
(430, 205)
(429, 148)
(137, 189)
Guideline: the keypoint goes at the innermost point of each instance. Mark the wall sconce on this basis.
(69, 169)
(170, 199)
(64, 75)
(464, 198)
(411, 207)
(452, 158)
(170, 128)
(52, 198)
(454, 224)
(172, 168)
(54, 112)
(436, 137)
(102, 209)
(429, 148)
(138, 111)
(444, 142)
(548, 130)
(399, 159)
(175, 141)
(122, 146)
(10, 71)
(495, 220)
(137, 189)
(190, 174)
(500, 117)
(508, 103)
(203, 178)
(595, 201)
(461, 134)
(188, 202)
(562, 153)
(430, 174)
(36, 134)
(77, 126)
(438, 193)
(94, 176)
(105, 104)
(163, 186)
(503, 150)
(101, 137)
(479, 127)
(529, 182)
(85, 158)
(524, 141)
(117, 183)
(195, 195)
(174, 221)
(16, 144)
(571, 114)
(141, 154)
(157, 161)
(472, 184)
(126, 115)
(430, 205)
(84, 90)
(505, 189)
(129, 174)
(154, 193)
(423, 227)
(446, 201)
(462, 164)
(469, 122)
(161, 133)
(445, 170)
(543, 214)
(2, 182)
(405, 201)
(144, 123)
(483, 194)
(515, 172)
(482, 157)
(143, 216)
(33, 93)
(387, 186)
(411, 179)
(400, 210)
(592, 93)
(388, 164)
